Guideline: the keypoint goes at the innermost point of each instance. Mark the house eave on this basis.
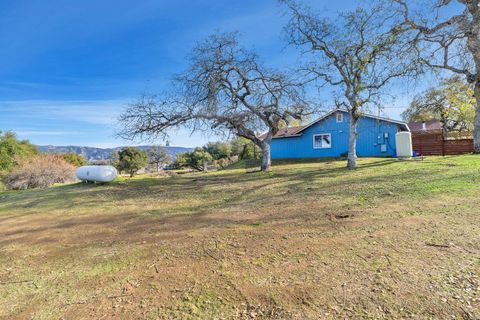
(289, 136)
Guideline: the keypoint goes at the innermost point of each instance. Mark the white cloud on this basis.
(46, 133)
(79, 122)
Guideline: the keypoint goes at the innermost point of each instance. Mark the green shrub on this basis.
(13, 151)
(195, 159)
(131, 160)
(75, 159)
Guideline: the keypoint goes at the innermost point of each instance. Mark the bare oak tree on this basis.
(158, 156)
(357, 53)
(225, 88)
(449, 42)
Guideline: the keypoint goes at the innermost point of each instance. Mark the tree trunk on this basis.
(266, 160)
(473, 44)
(352, 143)
(244, 153)
(476, 121)
(444, 122)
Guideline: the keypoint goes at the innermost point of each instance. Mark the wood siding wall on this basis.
(433, 143)
(372, 134)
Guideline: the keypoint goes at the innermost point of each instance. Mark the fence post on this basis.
(443, 143)
(421, 144)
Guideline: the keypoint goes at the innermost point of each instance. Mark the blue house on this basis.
(328, 137)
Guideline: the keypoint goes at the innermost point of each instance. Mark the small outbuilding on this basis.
(328, 137)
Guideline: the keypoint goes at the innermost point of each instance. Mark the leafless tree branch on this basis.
(357, 53)
(225, 88)
(450, 43)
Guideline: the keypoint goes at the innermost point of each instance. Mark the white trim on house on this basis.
(322, 134)
(290, 136)
(319, 119)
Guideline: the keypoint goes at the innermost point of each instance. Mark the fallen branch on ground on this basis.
(438, 245)
(19, 281)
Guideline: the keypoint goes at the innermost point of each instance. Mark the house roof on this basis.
(297, 131)
(430, 125)
(287, 132)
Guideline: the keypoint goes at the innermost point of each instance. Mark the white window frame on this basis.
(322, 134)
(337, 117)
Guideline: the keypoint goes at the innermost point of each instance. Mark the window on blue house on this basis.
(321, 141)
(339, 117)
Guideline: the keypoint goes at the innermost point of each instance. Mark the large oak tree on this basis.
(226, 88)
(356, 53)
(447, 37)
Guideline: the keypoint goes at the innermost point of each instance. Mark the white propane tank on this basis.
(403, 141)
(96, 173)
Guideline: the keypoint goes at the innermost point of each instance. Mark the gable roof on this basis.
(430, 125)
(297, 131)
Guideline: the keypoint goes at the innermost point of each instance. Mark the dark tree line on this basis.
(221, 152)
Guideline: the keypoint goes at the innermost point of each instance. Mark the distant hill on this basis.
(92, 154)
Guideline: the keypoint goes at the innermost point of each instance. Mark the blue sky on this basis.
(68, 68)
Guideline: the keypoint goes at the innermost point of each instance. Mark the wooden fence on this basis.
(434, 143)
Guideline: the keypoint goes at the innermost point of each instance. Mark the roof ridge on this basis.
(290, 131)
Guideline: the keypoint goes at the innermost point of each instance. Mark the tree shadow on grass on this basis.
(229, 190)
(232, 187)
(242, 193)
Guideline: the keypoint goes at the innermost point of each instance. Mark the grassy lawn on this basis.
(309, 240)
